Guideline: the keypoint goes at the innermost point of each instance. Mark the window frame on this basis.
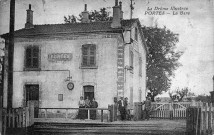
(140, 66)
(89, 56)
(31, 68)
(136, 34)
(131, 59)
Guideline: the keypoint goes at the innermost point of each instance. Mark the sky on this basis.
(193, 21)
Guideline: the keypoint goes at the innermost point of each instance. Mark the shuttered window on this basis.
(32, 57)
(140, 66)
(131, 59)
(89, 55)
(136, 34)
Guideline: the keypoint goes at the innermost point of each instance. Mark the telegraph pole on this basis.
(11, 55)
(131, 9)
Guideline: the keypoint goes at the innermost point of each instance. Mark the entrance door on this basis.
(32, 95)
(88, 92)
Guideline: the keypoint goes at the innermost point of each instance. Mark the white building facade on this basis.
(56, 64)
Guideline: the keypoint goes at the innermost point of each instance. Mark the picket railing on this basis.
(207, 119)
(13, 118)
(68, 113)
(173, 110)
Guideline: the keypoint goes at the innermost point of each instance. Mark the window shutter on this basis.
(131, 59)
(92, 55)
(92, 61)
(140, 66)
(28, 57)
(136, 34)
(32, 57)
(84, 49)
(88, 55)
(84, 61)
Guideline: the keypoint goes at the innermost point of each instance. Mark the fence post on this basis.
(137, 110)
(171, 111)
(101, 115)
(193, 120)
(1, 114)
(110, 108)
(88, 114)
(114, 108)
(210, 119)
(30, 114)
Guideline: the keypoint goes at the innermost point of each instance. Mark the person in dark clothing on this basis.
(122, 108)
(127, 108)
(93, 113)
(147, 107)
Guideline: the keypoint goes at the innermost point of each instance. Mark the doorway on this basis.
(32, 95)
(88, 92)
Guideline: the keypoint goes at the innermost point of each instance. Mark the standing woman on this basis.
(81, 113)
(93, 113)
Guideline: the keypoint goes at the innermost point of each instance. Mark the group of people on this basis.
(124, 109)
(83, 113)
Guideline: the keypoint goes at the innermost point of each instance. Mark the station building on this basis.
(55, 64)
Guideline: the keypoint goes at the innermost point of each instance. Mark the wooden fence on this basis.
(173, 110)
(207, 119)
(200, 119)
(13, 118)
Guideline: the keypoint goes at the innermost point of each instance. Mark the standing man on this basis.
(147, 107)
(93, 113)
(127, 108)
(122, 108)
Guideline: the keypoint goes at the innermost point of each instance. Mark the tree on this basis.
(179, 94)
(97, 16)
(70, 19)
(162, 58)
(94, 16)
(203, 98)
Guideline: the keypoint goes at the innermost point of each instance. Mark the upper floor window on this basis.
(32, 57)
(89, 55)
(131, 59)
(136, 34)
(140, 66)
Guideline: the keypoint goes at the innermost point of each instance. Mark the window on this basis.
(89, 55)
(32, 57)
(131, 59)
(140, 66)
(136, 34)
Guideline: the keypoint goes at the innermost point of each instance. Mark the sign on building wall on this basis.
(120, 70)
(54, 57)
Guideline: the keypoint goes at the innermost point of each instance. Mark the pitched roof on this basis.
(70, 28)
(49, 29)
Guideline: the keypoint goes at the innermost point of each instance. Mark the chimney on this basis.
(121, 12)
(116, 16)
(29, 21)
(85, 15)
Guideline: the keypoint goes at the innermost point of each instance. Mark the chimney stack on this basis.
(29, 20)
(116, 16)
(85, 15)
(121, 12)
